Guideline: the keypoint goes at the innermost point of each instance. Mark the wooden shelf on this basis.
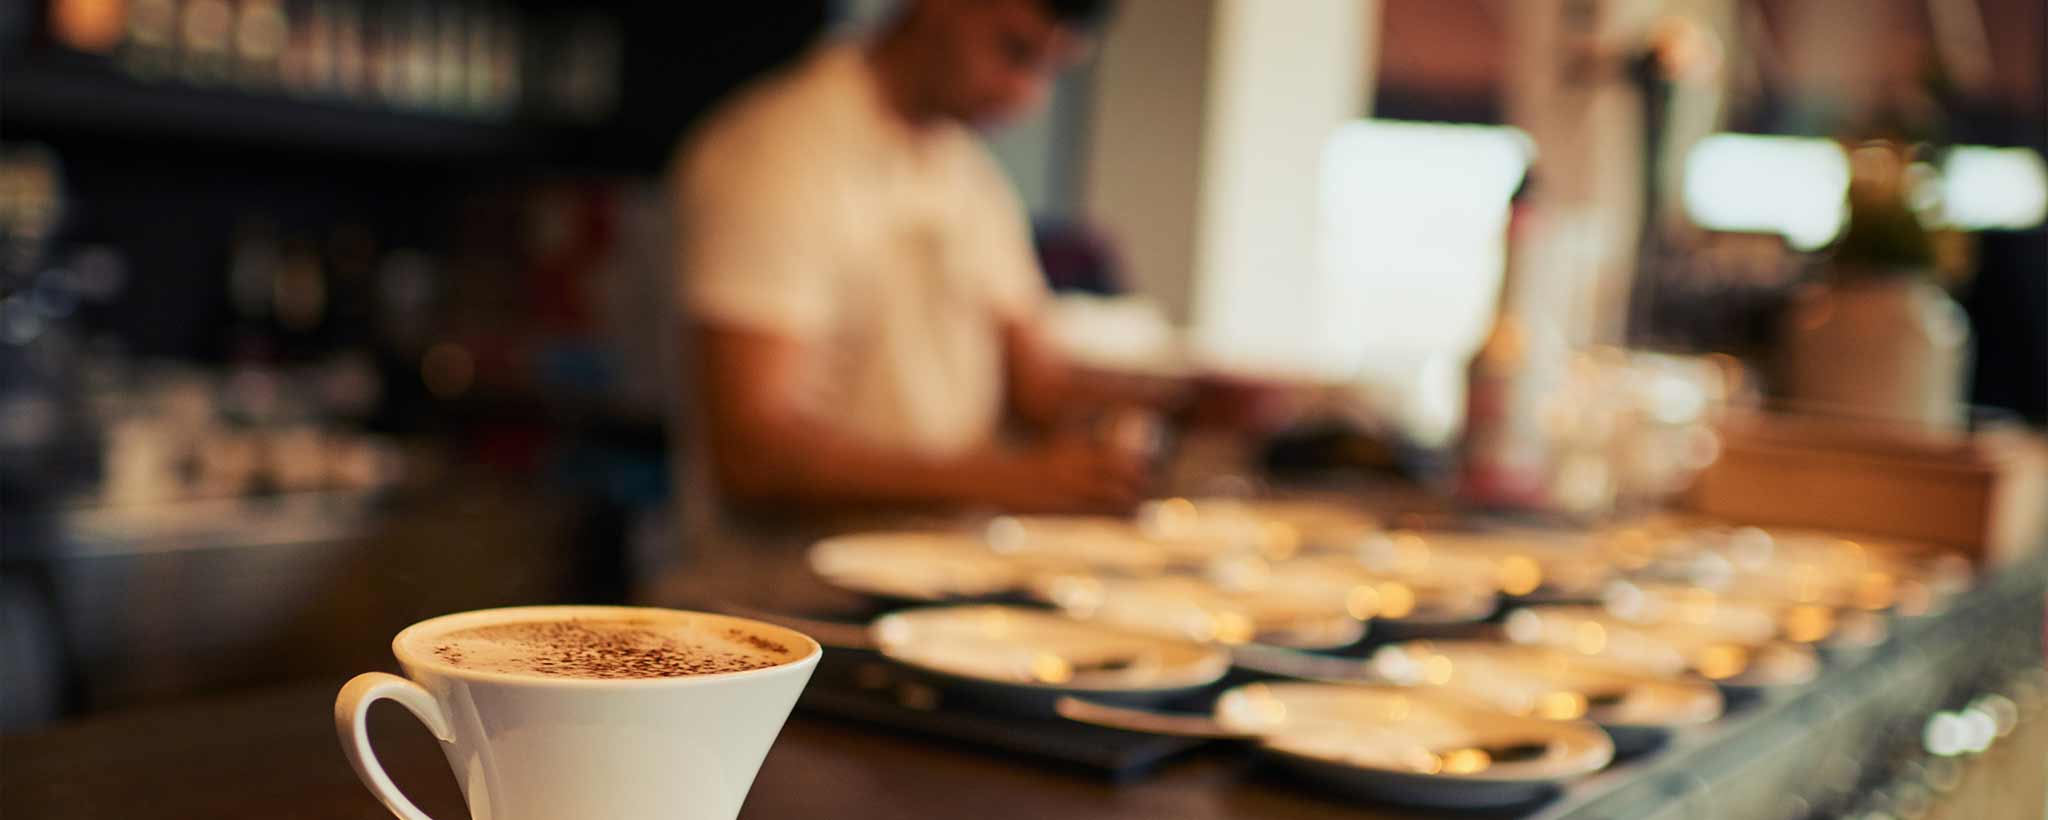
(50, 95)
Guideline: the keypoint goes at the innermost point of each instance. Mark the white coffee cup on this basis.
(527, 746)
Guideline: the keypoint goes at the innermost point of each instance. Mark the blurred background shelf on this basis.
(48, 98)
(233, 522)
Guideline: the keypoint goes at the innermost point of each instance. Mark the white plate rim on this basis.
(1211, 656)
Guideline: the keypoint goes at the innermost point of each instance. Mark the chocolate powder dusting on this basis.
(615, 649)
(756, 641)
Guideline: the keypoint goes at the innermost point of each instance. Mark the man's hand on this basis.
(769, 448)
(1247, 404)
(1047, 390)
(1070, 473)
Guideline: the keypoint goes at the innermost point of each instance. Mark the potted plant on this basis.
(1878, 336)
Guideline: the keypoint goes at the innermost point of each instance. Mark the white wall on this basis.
(1283, 78)
(1141, 176)
(1203, 156)
(1043, 154)
(1415, 218)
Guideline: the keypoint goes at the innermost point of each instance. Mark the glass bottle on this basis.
(1507, 458)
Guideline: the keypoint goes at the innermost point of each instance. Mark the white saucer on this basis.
(915, 566)
(1741, 610)
(1067, 542)
(1551, 684)
(1667, 649)
(1023, 647)
(1340, 581)
(1193, 609)
(1278, 527)
(1531, 563)
(1807, 566)
(1726, 617)
(1407, 746)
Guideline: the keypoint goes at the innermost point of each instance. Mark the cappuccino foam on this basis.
(607, 648)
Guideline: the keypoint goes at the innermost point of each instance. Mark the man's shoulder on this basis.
(784, 110)
(972, 154)
(975, 172)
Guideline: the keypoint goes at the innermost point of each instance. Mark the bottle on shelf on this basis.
(261, 33)
(351, 55)
(1506, 457)
(151, 46)
(206, 34)
(450, 64)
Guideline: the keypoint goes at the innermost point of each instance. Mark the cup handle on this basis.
(353, 704)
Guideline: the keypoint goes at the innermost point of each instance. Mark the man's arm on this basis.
(768, 446)
(1048, 389)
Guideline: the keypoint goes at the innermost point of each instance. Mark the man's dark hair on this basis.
(1081, 15)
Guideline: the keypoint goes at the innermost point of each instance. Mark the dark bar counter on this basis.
(273, 754)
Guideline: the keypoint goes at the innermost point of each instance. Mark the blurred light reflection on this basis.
(1796, 187)
(1985, 188)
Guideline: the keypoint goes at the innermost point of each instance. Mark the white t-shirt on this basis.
(811, 210)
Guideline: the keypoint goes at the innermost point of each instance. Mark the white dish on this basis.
(1806, 566)
(917, 566)
(1193, 609)
(1179, 545)
(1067, 542)
(1667, 649)
(1743, 611)
(1277, 527)
(1694, 608)
(1410, 747)
(1532, 563)
(1910, 579)
(1339, 581)
(1035, 649)
(1550, 684)
(941, 566)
